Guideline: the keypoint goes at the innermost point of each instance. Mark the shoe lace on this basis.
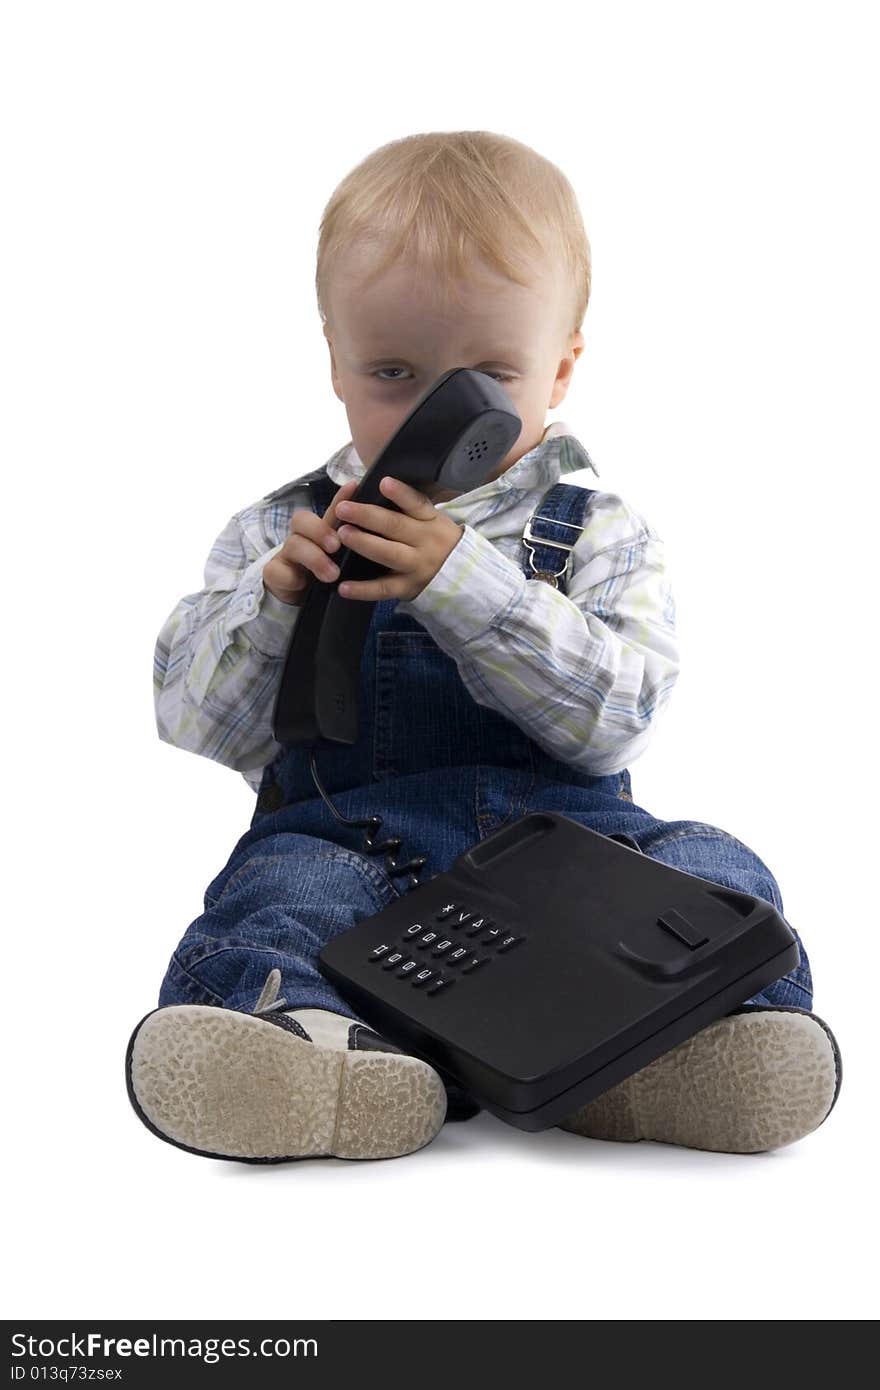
(269, 1001)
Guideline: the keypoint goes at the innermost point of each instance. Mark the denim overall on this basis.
(443, 772)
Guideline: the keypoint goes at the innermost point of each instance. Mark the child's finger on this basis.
(364, 590)
(345, 492)
(407, 497)
(342, 494)
(330, 521)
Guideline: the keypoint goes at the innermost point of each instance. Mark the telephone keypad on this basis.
(449, 949)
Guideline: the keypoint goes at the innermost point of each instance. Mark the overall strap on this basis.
(552, 531)
(322, 489)
(321, 486)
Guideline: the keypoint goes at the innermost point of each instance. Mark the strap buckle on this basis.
(549, 576)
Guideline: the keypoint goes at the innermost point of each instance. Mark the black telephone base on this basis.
(550, 962)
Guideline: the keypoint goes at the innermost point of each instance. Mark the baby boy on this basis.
(490, 687)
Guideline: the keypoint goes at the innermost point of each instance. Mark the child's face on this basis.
(389, 342)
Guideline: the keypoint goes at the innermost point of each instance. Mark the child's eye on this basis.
(499, 376)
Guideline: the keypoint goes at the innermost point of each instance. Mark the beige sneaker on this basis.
(275, 1084)
(758, 1079)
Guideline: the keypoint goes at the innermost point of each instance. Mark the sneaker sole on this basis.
(230, 1085)
(747, 1083)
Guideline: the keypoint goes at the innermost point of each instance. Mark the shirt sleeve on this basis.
(584, 674)
(220, 653)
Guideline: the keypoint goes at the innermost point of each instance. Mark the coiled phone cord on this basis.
(373, 825)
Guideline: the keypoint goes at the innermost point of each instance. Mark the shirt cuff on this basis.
(470, 593)
(266, 621)
(269, 631)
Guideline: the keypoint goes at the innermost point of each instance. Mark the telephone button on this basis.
(394, 959)
(509, 942)
(474, 964)
(678, 926)
(440, 984)
(479, 924)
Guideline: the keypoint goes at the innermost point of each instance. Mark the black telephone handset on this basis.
(455, 436)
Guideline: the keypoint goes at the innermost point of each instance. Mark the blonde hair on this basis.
(443, 197)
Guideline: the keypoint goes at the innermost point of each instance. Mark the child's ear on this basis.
(334, 375)
(565, 370)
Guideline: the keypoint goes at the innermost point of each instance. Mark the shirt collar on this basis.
(558, 452)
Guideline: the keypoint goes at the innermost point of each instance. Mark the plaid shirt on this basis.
(584, 674)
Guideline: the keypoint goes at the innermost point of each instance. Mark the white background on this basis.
(164, 167)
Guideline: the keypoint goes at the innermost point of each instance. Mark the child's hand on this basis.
(413, 543)
(305, 551)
